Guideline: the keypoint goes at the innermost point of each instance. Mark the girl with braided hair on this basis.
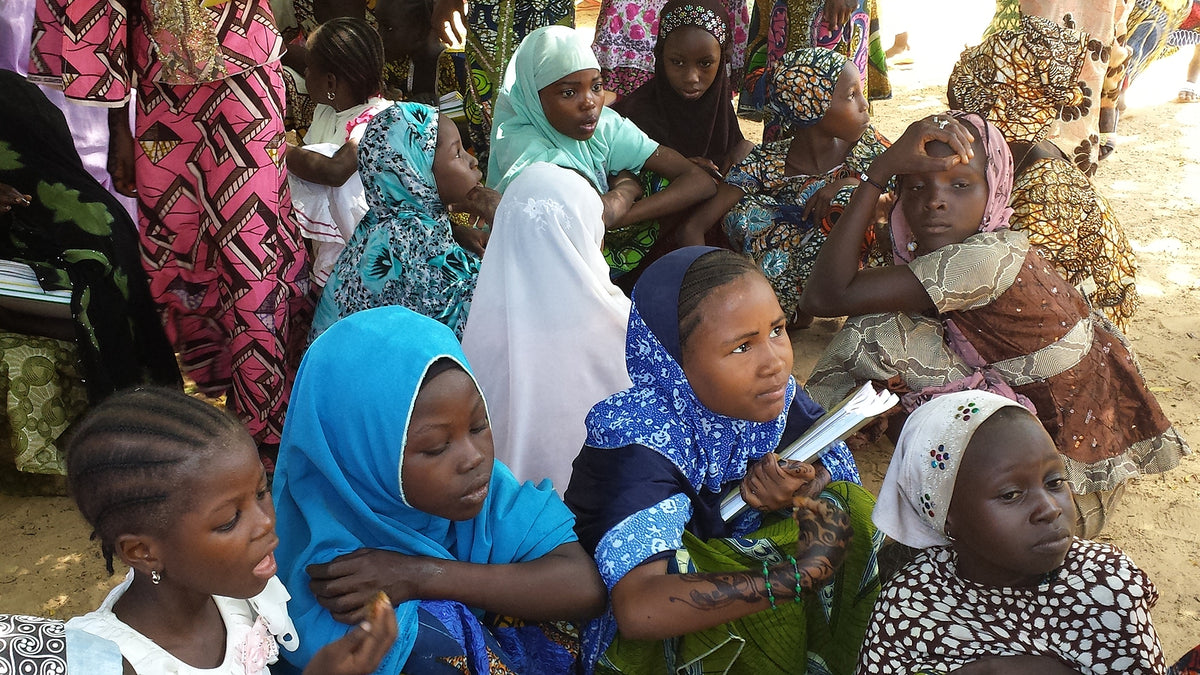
(173, 487)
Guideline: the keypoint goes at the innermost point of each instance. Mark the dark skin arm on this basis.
(10, 197)
(359, 651)
(563, 584)
(317, 168)
(689, 185)
(650, 604)
(691, 231)
(736, 154)
(623, 190)
(838, 12)
(120, 151)
(1016, 665)
(443, 20)
(837, 287)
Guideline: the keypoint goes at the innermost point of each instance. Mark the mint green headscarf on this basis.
(521, 134)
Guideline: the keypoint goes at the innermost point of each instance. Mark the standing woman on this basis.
(848, 27)
(226, 263)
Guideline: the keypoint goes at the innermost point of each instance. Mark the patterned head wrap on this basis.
(661, 410)
(800, 90)
(1022, 80)
(999, 179)
(693, 14)
(915, 496)
(396, 156)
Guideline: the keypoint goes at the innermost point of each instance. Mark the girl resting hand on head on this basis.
(387, 481)
(405, 251)
(551, 109)
(174, 488)
(344, 77)
(712, 400)
(1000, 585)
(970, 304)
(780, 202)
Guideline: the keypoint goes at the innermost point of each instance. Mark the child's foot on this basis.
(1187, 93)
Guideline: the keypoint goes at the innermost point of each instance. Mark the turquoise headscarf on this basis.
(521, 134)
(402, 252)
(338, 483)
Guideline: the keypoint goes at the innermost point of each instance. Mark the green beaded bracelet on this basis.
(796, 573)
(767, 577)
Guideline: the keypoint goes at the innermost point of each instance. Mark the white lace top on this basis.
(252, 629)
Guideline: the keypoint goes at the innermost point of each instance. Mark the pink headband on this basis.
(999, 173)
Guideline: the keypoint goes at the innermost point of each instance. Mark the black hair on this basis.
(130, 456)
(708, 273)
(352, 51)
(438, 367)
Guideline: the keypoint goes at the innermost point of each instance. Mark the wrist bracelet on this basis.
(796, 573)
(767, 577)
(867, 179)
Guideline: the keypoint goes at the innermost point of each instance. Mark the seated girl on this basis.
(688, 107)
(174, 488)
(548, 339)
(1000, 585)
(971, 305)
(781, 201)
(1022, 81)
(387, 480)
(551, 109)
(405, 250)
(345, 60)
(713, 399)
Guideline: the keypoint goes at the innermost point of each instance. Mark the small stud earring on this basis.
(155, 577)
(329, 95)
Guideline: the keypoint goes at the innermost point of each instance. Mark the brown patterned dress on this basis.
(1034, 330)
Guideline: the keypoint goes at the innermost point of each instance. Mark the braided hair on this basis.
(131, 456)
(352, 51)
(708, 273)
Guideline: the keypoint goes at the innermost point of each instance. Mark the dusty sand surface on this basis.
(49, 567)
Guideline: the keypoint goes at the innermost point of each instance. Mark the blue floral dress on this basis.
(402, 252)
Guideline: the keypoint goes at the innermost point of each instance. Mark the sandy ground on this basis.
(49, 567)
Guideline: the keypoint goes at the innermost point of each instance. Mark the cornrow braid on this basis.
(352, 50)
(130, 455)
(708, 273)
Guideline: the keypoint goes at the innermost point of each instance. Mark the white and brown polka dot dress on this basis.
(1093, 614)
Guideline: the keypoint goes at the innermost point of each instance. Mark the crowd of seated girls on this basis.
(394, 535)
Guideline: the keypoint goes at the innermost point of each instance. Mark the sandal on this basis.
(1187, 93)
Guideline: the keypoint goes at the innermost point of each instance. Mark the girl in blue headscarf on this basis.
(405, 251)
(712, 400)
(387, 481)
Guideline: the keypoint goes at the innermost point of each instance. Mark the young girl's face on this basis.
(848, 115)
(455, 171)
(739, 358)
(448, 455)
(691, 60)
(572, 104)
(1011, 516)
(945, 207)
(223, 540)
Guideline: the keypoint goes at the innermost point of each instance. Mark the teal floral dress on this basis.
(402, 252)
(767, 222)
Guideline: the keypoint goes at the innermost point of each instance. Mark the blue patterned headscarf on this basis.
(661, 410)
(402, 252)
(339, 486)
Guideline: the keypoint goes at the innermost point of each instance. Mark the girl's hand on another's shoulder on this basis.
(909, 155)
(838, 12)
(346, 584)
(772, 483)
(708, 166)
(359, 651)
(825, 532)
